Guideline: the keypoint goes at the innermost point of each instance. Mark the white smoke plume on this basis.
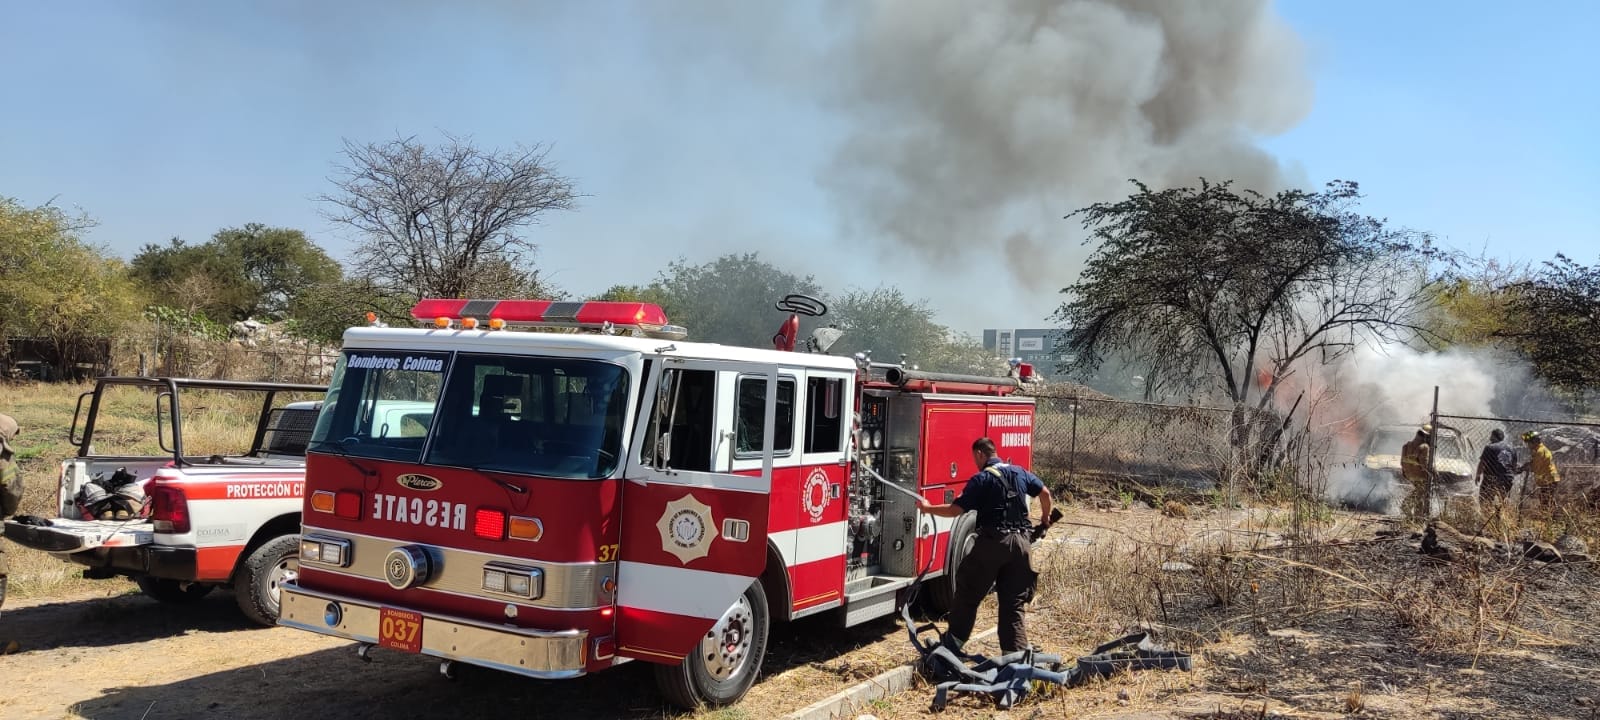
(975, 126)
(1378, 385)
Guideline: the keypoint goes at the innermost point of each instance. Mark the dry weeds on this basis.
(1303, 612)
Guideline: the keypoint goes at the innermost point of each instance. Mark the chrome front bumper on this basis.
(543, 654)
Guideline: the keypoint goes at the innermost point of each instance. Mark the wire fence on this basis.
(1165, 444)
(1574, 444)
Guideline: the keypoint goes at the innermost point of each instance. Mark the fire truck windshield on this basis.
(545, 416)
(554, 417)
(380, 404)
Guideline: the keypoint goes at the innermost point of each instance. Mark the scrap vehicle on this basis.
(181, 524)
(583, 487)
(1382, 488)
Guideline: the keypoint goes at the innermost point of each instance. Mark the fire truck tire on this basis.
(256, 585)
(171, 591)
(941, 591)
(708, 678)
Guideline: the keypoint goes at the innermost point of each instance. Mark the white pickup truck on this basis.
(207, 520)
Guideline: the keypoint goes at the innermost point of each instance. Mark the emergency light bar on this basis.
(597, 315)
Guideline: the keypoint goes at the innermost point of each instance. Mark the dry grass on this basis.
(1297, 610)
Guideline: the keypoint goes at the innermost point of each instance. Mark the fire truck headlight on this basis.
(523, 582)
(332, 614)
(325, 551)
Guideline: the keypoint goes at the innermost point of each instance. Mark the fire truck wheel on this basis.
(256, 585)
(941, 591)
(172, 591)
(726, 663)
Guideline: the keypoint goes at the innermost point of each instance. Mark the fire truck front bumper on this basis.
(543, 654)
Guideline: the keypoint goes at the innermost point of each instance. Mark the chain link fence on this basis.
(1574, 443)
(1157, 444)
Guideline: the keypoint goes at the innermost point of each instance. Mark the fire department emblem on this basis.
(686, 529)
(815, 494)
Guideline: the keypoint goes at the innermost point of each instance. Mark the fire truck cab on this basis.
(555, 503)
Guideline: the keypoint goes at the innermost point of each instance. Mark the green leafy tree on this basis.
(1205, 288)
(1553, 318)
(56, 287)
(1234, 290)
(888, 324)
(729, 300)
(323, 312)
(249, 271)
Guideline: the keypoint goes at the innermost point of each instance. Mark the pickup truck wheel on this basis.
(257, 584)
(172, 591)
(721, 669)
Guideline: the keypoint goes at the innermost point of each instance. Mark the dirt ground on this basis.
(127, 656)
(1328, 651)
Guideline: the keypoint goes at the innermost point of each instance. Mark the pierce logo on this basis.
(419, 482)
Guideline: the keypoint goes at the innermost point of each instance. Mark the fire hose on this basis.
(1009, 678)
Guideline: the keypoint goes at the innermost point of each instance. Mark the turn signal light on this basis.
(489, 524)
(441, 322)
(497, 324)
(469, 323)
(526, 528)
(322, 501)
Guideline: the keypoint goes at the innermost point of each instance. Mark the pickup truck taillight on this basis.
(169, 509)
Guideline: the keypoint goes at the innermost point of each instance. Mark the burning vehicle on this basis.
(1383, 489)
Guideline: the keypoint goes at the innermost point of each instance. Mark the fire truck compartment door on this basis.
(693, 540)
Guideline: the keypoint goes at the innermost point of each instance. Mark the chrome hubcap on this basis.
(726, 648)
(287, 571)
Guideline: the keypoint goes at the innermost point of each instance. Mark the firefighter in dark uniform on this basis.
(999, 558)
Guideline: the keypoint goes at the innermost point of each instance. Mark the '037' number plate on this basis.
(400, 629)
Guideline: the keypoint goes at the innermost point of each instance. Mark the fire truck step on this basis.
(872, 597)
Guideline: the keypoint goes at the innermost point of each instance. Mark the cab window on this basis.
(749, 414)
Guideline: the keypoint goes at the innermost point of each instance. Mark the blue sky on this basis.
(1472, 120)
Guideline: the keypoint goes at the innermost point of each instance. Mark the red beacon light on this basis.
(605, 316)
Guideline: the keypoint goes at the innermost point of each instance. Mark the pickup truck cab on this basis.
(222, 498)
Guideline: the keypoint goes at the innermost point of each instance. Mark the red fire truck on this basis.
(555, 502)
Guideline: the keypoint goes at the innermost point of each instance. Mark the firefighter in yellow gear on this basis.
(1414, 469)
(10, 499)
(1542, 464)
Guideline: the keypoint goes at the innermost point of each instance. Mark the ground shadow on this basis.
(121, 620)
(335, 683)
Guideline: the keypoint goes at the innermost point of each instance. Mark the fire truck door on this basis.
(693, 537)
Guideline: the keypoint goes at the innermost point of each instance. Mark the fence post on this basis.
(1433, 453)
(1072, 452)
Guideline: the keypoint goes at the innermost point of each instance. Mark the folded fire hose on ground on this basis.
(1007, 679)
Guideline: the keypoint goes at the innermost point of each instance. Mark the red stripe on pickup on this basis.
(266, 487)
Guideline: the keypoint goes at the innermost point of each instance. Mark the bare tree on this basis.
(438, 221)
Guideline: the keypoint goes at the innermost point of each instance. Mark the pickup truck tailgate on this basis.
(70, 536)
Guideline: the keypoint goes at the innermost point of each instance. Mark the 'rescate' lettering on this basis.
(416, 511)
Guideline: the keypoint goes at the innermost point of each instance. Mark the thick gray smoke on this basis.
(975, 126)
